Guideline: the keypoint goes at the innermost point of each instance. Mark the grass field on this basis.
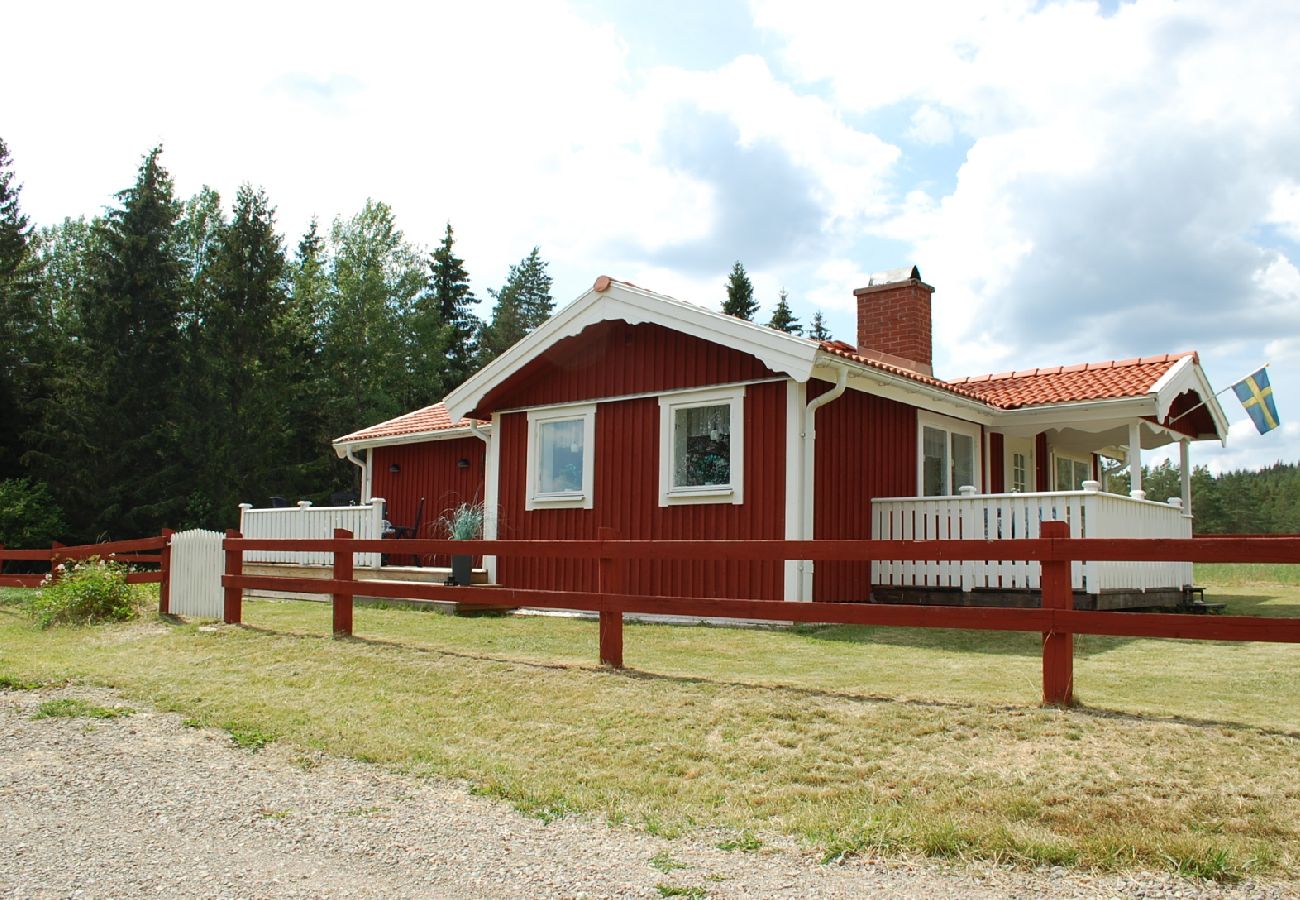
(851, 739)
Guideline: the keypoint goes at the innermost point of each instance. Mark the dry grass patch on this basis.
(1184, 758)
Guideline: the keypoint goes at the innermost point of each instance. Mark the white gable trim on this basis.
(1187, 375)
(778, 351)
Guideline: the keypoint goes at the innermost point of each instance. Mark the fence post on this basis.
(232, 613)
(165, 569)
(342, 572)
(1058, 647)
(611, 621)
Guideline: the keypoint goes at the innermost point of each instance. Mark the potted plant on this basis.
(463, 523)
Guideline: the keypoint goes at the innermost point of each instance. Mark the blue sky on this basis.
(1079, 181)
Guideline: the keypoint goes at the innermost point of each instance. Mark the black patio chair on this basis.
(411, 531)
(279, 503)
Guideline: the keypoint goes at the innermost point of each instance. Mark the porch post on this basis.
(1185, 472)
(1134, 458)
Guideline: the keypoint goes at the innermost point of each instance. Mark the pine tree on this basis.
(451, 302)
(783, 317)
(817, 330)
(740, 300)
(523, 303)
(23, 327)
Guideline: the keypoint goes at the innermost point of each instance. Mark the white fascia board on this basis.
(442, 434)
(1187, 375)
(778, 351)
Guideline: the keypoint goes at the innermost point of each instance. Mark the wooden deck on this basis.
(388, 574)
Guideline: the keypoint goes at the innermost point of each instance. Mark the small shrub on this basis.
(91, 590)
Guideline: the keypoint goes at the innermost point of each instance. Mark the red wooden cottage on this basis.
(663, 419)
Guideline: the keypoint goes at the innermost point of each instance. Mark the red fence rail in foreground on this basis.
(1057, 620)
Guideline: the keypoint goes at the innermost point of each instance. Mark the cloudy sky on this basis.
(1079, 180)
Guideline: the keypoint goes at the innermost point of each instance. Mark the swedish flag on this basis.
(1256, 394)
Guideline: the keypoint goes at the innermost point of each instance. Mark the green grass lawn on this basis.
(852, 739)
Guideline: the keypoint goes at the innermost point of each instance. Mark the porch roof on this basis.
(1111, 379)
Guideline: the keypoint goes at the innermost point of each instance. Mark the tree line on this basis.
(1266, 501)
(171, 358)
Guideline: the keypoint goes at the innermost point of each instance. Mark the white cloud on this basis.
(1284, 210)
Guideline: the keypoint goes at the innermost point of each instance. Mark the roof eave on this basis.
(342, 445)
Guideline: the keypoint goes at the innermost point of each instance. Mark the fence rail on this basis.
(133, 553)
(1053, 552)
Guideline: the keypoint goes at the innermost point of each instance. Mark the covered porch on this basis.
(1089, 512)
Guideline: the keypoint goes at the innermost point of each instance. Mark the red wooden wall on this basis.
(627, 499)
(612, 359)
(865, 448)
(428, 469)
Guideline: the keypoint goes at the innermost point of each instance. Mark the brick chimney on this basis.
(894, 320)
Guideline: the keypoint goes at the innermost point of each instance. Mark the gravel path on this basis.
(144, 806)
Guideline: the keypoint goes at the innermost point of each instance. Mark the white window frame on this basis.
(669, 404)
(950, 426)
(581, 499)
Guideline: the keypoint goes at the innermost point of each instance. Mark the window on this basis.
(702, 447)
(1019, 473)
(1072, 473)
(949, 455)
(560, 457)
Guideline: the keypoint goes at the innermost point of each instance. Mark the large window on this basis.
(561, 457)
(702, 447)
(949, 451)
(1072, 473)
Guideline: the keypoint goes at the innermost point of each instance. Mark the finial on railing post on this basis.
(1092, 487)
(967, 490)
(1138, 495)
(303, 504)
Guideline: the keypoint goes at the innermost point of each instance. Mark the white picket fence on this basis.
(1001, 517)
(366, 522)
(194, 581)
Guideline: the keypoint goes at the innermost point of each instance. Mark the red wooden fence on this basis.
(151, 551)
(1057, 620)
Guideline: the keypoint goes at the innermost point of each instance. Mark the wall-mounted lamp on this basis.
(462, 463)
(394, 468)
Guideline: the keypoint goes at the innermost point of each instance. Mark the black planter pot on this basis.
(462, 569)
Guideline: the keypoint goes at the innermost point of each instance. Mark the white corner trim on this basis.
(584, 498)
(796, 395)
(780, 352)
(670, 494)
(492, 494)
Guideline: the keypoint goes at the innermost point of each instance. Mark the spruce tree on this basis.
(129, 322)
(740, 300)
(23, 327)
(783, 317)
(523, 303)
(242, 349)
(450, 306)
(817, 330)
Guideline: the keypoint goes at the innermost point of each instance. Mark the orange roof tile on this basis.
(423, 421)
(1111, 379)
(847, 351)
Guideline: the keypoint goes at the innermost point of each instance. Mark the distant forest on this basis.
(171, 358)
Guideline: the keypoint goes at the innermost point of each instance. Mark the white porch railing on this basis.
(998, 517)
(366, 522)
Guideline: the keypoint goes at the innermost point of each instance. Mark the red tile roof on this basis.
(423, 421)
(1108, 380)
(848, 351)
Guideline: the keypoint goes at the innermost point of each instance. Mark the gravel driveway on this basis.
(144, 806)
